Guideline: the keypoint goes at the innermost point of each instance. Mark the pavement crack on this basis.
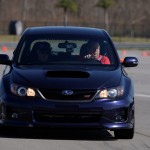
(142, 134)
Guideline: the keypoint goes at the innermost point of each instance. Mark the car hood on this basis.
(77, 78)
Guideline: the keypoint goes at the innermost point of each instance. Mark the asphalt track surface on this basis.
(44, 139)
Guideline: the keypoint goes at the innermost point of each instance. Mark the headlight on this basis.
(22, 90)
(110, 93)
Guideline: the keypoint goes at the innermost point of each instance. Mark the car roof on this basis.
(64, 30)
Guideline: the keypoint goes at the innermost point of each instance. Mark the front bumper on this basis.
(104, 114)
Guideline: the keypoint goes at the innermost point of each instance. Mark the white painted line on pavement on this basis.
(142, 95)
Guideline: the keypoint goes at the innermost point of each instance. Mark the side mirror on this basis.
(130, 62)
(4, 59)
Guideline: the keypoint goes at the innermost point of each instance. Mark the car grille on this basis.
(78, 95)
(45, 117)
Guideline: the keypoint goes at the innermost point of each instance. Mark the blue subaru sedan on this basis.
(68, 77)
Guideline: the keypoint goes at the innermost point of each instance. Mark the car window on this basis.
(63, 49)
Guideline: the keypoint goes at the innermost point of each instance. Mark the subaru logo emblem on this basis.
(67, 92)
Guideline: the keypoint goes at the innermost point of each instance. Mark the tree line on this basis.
(120, 17)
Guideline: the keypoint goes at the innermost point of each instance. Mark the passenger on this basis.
(41, 52)
(94, 53)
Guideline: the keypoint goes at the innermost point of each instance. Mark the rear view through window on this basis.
(47, 50)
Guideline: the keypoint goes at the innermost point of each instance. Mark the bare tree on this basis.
(67, 5)
(105, 4)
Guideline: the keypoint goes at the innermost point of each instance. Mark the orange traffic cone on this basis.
(4, 48)
(124, 52)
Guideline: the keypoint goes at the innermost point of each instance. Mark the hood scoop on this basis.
(67, 74)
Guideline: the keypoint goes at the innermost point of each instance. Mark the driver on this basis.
(94, 53)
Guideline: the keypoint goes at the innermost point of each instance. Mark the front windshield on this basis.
(66, 50)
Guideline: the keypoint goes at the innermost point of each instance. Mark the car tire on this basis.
(3, 130)
(7, 130)
(124, 133)
(15, 27)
